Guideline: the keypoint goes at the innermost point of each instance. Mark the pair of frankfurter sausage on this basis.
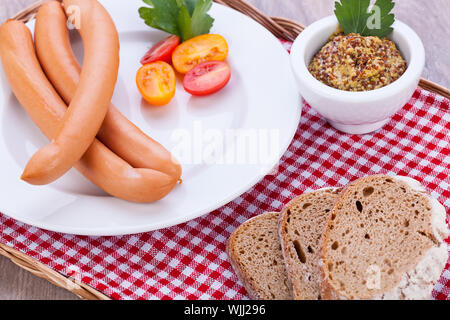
(88, 92)
(91, 98)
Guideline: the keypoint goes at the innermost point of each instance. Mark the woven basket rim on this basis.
(283, 28)
(40, 270)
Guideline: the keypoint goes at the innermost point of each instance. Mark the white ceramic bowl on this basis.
(356, 112)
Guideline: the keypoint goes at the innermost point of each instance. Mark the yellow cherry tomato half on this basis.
(156, 82)
(207, 47)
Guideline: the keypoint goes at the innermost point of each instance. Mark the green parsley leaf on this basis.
(148, 15)
(166, 14)
(190, 4)
(184, 18)
(185, 23)
(354, 16)
(201, 20)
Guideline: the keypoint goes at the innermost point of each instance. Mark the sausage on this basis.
(47, 110)
(55, 54)
(91, 100)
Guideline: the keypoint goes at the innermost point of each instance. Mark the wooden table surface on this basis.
(430, 19)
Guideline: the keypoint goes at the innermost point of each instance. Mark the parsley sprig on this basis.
(354, 16)
(184, 18)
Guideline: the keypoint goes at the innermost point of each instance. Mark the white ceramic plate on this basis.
(260, 99)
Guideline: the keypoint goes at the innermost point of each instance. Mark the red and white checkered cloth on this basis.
(188, 261)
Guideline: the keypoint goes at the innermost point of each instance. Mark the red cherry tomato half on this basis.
(162, 51)
(207, 78)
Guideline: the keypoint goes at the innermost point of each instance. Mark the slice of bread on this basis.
(384, 239)
(301, 226)
(255, 254)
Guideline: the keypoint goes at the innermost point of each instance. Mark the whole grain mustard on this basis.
(357, 63)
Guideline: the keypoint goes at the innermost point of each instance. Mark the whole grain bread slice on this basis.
(301, 226)
(384, 239)
(255, 254)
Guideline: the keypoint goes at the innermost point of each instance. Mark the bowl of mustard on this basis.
(357, 82)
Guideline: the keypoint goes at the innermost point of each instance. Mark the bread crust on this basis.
(243, 276)
(416, 283)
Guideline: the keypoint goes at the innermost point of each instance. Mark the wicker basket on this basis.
(282, 28)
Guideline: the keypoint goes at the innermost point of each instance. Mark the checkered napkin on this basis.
(188, 261)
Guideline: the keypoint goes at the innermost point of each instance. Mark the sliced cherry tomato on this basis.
(162, 51)
(207, 78)
(156, 82)
(207, 47)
